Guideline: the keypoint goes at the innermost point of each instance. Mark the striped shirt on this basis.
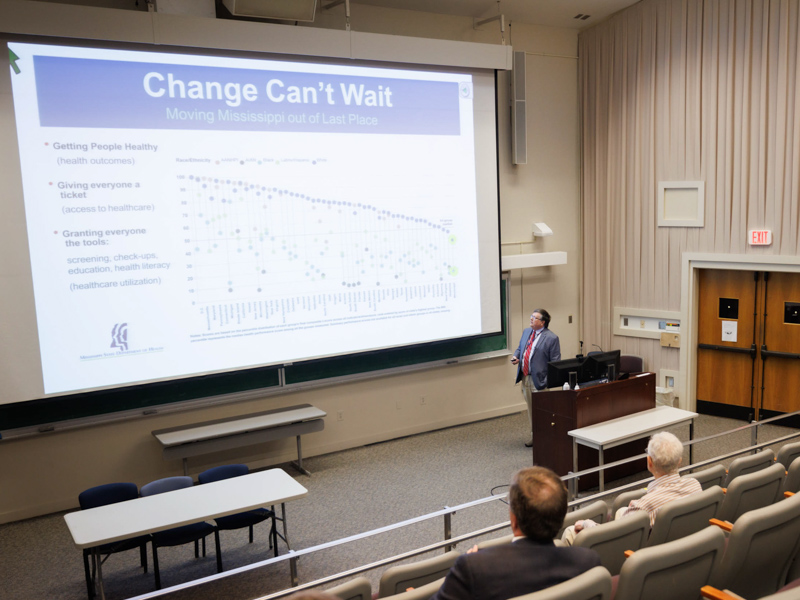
(663, 490)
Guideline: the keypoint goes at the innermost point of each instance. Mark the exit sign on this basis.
(760, 237)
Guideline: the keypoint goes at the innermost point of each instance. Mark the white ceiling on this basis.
(553, 13)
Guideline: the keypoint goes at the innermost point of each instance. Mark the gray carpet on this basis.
(349, 492)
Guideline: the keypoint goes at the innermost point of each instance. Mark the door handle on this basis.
(751, 350)
(765, 354)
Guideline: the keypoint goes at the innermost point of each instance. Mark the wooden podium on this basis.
(558, 411)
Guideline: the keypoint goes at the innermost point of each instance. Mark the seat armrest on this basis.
(713, 593)
(724, 525)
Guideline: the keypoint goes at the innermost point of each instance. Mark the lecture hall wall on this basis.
(45, 473)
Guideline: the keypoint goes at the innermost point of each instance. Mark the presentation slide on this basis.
(191, 214)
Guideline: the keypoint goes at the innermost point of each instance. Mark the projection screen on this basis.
(182, 213)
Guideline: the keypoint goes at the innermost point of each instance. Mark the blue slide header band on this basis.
(76, 92)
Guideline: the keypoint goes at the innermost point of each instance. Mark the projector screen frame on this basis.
(43, 414)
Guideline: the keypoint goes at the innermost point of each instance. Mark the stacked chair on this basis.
(239, 520)
(178, 536)
(101, 495)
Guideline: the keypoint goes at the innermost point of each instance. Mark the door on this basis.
(748, 354)
(726, 334)
(780, 349)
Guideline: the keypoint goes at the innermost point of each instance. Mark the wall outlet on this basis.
(340, 415)
(641, 324)
(422, 400)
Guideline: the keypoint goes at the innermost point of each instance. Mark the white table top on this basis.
(123, 520)
(215, 429)
(624, 429)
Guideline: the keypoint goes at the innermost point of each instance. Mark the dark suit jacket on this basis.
(547, 349)
(514, 569)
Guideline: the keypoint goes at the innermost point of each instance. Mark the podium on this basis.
(556, 412)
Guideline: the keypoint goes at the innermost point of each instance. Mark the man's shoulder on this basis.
(524, 546)
(549, 336)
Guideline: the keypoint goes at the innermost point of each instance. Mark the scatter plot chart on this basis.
(265, 251)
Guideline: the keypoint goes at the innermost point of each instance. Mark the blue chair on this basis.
(101, 495)
(243, 519)
(178, 536)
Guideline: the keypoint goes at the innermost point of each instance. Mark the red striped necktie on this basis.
(526, 358)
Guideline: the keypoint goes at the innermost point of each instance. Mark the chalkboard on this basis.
(100, 403)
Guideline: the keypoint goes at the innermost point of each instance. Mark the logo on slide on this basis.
(119, 336)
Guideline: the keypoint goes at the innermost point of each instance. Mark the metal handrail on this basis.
(446, 512)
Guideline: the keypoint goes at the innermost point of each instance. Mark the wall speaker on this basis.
(288, 10)
(519, 141)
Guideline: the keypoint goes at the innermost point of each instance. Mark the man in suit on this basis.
(537, 506)
(537, 347)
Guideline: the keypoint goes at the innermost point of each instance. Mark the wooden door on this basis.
(780, 349)
(727, 328)
(748, 353)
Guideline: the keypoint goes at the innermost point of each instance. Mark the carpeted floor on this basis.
(349, 492)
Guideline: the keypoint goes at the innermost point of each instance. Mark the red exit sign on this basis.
(760, 237)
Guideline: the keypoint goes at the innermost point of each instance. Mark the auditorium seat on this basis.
(749, 464)
(506, 539)
(396, 580)
(423, 592)
(748, 492)
(710, 477)
(596, 511)
(789, 592)
(685, 516)
(611, 540)
(624, 499)
(761, 547)
(673, 570)
(356, 589)
(791, 482)
(594, 584)
(788, 453)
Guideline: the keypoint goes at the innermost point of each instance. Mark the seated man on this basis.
(664, 456)
(537, 506)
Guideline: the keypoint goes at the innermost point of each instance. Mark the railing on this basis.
(446, 513)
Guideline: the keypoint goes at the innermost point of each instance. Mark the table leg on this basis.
(293, 570)
(691, 437)
(285, 534)
(299, 462)
(574, 455)
(98, 565)
(602, 472)
(186, 466)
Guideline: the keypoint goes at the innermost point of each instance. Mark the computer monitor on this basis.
(596, 366)
(558, 371)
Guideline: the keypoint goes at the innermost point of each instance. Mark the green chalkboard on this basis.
(81, 406)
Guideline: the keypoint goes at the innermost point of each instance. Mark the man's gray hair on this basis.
(666, 452)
